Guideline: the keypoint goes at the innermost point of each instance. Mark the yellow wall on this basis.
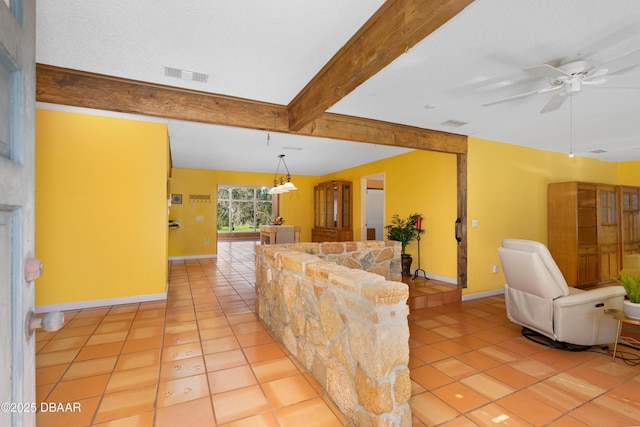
(101, 207)
(296, 207)
(507, 194)
(422, 182)
(630, 173)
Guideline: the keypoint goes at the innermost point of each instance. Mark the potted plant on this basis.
(632, 288)
(404, 231)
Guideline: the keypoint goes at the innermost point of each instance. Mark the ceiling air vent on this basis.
(186, 75)
(454, 123)
(598, 151)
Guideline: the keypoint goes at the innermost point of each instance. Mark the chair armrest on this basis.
(587, 297)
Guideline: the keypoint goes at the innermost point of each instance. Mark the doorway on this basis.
(372, 190)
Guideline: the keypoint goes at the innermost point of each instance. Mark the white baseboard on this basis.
(444, 279)
(181, 258)
(99, 303)
(484, 294)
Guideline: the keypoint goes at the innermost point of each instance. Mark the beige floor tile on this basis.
(237, 404)
(487, 386)
(288, 391)
(50, 374)
(138, 359)
(75, 390)
(460, 397)
(182, 351)
(107, 337)
(429, 377)
(64, 344)
(219, 345)
(493, 414)
(231, 379)
(267, 419)
(144, 419)
(274, 369)
(89, 368)
(198, 412)
(133, 378)
(100, 350)
(182, 368)
(529, 409)
(56, 358)
(310, 413)
(125, 403)
(260, 353)
(430, 410)
(133, 346)
(511, 377)
(182, 390)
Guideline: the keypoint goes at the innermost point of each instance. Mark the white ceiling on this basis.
(269, 50)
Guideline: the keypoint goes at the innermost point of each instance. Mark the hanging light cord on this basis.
(275, 177)
(570, 125)
(285, 166)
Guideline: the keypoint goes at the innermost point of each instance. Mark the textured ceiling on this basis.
(268, 51)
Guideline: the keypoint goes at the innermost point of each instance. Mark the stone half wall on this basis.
(348, 327)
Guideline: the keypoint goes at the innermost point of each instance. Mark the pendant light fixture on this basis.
(282, 184)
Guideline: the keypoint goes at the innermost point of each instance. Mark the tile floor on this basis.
(203, 359)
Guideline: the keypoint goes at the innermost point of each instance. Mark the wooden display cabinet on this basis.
(333, 212)
(630, 221)
(584, 231)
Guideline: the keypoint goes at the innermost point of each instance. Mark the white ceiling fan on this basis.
(569, 78)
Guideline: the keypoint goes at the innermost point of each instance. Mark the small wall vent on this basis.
(185, 74)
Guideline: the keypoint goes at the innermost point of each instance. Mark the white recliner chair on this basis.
(538, 298)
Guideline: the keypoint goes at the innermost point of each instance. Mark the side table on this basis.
(619, 316)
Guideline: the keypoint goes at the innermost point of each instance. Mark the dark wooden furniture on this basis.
(333, 212)
(591, 226)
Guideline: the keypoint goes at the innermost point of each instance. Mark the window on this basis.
(243, 209)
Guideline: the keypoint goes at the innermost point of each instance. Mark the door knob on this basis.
(50, 322)
(32, 269)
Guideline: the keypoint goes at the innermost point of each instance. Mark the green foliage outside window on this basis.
(243, 209)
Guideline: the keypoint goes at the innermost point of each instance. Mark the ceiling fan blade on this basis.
(595, 73)
(554, 103)
(547, 71)
(523, 95)
(622, 64)
(624, 70)
(594, 82)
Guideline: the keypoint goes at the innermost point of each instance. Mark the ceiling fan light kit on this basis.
(568, 80)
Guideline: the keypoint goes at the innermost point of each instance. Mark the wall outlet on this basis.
(474, 223)
(199, 218)
(206, 241)
(496, 268)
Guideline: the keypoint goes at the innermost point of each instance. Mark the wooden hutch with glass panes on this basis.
(333, 212)
(591, 227)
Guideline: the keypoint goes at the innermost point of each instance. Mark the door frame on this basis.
(363, 201)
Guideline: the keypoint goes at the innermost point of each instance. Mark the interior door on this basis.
(375, 211)
(17, 150)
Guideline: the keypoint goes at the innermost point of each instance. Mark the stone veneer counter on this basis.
(347, 326)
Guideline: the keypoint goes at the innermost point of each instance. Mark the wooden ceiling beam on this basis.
(82, 89)
(395, 28)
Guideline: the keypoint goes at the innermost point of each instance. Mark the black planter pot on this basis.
(406, 264)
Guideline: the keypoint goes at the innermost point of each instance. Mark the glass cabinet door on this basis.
(322, 207)
(328, 206)
(608, 207)
(346, 206)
